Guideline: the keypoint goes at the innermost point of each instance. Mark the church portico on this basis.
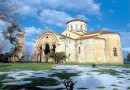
(45, 44)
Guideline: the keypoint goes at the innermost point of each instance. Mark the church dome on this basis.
(76, 19)
(76, 25)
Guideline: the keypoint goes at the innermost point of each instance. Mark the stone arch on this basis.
(49, 34)
(48, 42)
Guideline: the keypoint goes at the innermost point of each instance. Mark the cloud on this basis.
(3, 25)
(32, 31)
(29, 45)
(54, 17)
(125, 38)
(34, 7)
(128, 25)
(106, 28)
(83, 17)
(111, 11)
(126, 49)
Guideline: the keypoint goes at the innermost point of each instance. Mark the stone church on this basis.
(79, 45)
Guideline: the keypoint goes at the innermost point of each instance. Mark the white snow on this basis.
(87, 78)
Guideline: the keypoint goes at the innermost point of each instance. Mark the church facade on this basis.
(79, 45)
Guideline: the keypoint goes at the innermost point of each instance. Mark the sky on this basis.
(36, 16)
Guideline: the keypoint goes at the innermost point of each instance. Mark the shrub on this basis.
(58, 56)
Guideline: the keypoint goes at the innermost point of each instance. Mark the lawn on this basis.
(25, 66)
(45, 66)
(45, 76)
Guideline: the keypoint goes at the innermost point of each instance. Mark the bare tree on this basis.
(69, 84)
(7, 10)
(3, 45)
(7, 13)
(27, 55)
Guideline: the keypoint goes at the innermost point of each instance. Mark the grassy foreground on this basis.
(45, 66)
(25, 66)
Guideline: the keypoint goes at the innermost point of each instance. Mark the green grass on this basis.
(4, 76)
(46, 66)
(114, 85)
(83, 88)
(22, 74)
(41, 81)
(88, 74)
(90, 64)
(120, 77)
(25, 66)
(114, 89)
(12, 80)
(101, 87)
(107, 71)
(64, 75)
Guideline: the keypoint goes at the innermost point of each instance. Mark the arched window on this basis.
(81, 27)
(79, 51)
(68, 27)
(71, 27)
(115, 51)
(76, 27)
(40, 47)
(53, 48)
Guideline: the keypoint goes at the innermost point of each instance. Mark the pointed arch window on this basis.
(40, 47)
(76, 27)
(81, 27)
(115, 51)
(53, 48)
(79, 50)
(68, 27)
(71, 27)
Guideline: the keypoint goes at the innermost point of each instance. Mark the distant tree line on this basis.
(127, 58)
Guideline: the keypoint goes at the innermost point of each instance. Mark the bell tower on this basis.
(20, 43)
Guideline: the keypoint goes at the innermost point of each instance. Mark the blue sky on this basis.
(38, 15)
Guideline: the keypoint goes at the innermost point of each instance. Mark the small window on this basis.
(68, 27)
(66, 34)
(81, 27)
(71, 27)
(115, 51)
(40, 47)
(53, 48)
(76, 27)
(79, 51)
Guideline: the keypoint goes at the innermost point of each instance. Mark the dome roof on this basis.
(76, 19)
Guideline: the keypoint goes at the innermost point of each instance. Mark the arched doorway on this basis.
(53, 48)
(47, 49)
(40, 53)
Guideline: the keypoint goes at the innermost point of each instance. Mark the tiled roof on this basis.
(99, 31)
(88, 37)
